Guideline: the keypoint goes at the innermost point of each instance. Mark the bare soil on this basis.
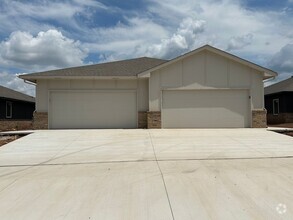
(6, 139)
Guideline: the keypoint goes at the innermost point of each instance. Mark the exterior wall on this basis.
(142, 120)
(9, 125)
(285, 102)
(280, 118)
(285, 108)
(43, 87)
(205, 70)
(259, 118)
(40, 120)
(21, 110)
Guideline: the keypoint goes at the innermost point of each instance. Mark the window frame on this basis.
(8, 114)
(274, 110)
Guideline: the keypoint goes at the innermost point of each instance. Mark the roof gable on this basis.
(12, 94)
(267, 72)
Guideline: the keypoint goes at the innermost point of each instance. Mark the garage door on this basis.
(205, 109)
(93, 109)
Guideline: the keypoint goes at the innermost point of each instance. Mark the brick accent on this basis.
(259, 118)
(280, 118)
(12, 125)
(154, 119)
(40, 120)
(142, 120)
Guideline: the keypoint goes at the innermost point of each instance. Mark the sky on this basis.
(40, 35)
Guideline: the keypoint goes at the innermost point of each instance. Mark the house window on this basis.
(8, 109)
(276, 106)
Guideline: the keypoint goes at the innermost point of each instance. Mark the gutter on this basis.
(269, 79)
(29, 82)
(25, 81)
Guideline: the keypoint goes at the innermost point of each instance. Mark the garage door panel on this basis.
(205, 109)
(92, 109)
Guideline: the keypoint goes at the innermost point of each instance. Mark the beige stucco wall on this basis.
(44, 86)
(206, 70)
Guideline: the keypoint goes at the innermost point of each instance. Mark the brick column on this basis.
(154, 119)
(259, 118)
(40, 120)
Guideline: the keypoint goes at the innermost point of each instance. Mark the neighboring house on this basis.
(279, 102)
(15, 109)
(15, 105)
(205, 88)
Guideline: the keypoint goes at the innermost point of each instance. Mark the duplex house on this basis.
(205, 88)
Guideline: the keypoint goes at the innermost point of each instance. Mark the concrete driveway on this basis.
(148, 174)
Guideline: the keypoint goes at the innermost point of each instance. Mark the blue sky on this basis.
(38, 35)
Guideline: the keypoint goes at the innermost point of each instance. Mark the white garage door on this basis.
(93, 109)
(205, 109)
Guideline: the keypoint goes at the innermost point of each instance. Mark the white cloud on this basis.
(239, 42)
(13, 82)
(126, 41)
(227, 22)
(282, 61)
(181, 41)
(47, 50)
(229, 25)
(61, 11)
(166, 30)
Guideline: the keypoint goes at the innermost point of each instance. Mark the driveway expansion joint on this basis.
(149, 160)
(162, 175)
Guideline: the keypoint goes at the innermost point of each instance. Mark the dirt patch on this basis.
(6, 139)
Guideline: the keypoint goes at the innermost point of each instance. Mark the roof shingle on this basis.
(12, 94)
(130, 67)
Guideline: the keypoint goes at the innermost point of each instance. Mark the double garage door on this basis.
(93, 109)
(205, 109)
(180, 109)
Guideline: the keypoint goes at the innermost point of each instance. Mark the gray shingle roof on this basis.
(130, 67)
(12, 94)
(282, 86)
